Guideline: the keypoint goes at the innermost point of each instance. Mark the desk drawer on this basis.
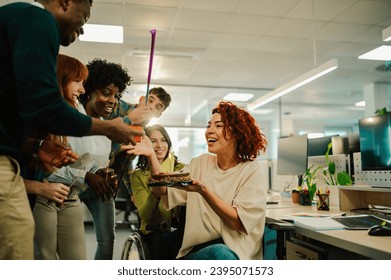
(298, 252)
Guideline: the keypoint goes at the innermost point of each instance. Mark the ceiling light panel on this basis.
(103, 33)
(380, 53)
(238, 96)
(387, 34)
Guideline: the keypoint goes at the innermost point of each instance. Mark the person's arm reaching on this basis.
(145, 148)
(51, 153)
(116, 130)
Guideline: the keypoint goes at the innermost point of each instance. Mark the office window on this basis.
(187, 143)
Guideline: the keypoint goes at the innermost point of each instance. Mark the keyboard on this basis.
(360, 221)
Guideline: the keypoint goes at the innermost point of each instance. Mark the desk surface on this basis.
(357, 241)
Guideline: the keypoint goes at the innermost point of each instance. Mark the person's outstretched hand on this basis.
(144, 147)
(140, 114)
(54, 154)
(118, 131)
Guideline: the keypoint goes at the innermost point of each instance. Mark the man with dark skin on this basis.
(30, 38)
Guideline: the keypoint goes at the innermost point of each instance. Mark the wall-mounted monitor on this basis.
(375, 142)
(292, 155)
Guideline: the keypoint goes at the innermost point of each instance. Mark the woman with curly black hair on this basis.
(104, 86)
(105, 74)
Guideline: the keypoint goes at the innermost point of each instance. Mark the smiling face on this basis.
(154, 103)
(160, 145)
(73, 91)
(217, 144)
(102, 101)
(71, 17)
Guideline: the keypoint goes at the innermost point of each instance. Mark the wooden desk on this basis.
(356, 241)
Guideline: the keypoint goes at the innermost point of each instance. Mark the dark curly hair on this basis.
(103, 73)
(242, 127)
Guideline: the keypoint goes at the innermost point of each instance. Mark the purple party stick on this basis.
(153, 33)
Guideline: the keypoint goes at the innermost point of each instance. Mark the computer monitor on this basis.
(340, 145)
(375, 142)
(292, 155)
(354, 142)
(318, 146)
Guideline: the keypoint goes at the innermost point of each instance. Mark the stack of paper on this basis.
(294, 216)
(318, 223)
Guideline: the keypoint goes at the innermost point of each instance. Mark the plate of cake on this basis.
(170, 179)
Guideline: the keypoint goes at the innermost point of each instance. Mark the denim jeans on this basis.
(217, 251)
(103, 215)
(162, 245)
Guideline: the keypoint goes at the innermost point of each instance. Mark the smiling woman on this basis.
(104, 86)
(106, 74)
(226, 199)
(57, 219)
(71, 76)
(101, 102)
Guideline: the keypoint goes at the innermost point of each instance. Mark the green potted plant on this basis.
(307, 192)
(332, 178)
(381, 111)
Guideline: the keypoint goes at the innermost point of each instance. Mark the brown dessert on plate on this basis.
(170, 178)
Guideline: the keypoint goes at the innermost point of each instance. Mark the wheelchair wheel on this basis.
(135, 248)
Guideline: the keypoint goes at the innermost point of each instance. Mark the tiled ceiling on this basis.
(208, 48)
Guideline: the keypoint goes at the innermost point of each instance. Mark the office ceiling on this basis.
(208, 48)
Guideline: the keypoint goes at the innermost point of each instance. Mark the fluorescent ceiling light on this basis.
(262, 111)
(380, 53)
(360, 104)
(238, 96)
(103, 33)
(387, 34)
(313, 135)
(294, 84)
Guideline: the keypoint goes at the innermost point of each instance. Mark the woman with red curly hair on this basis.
(226, 202)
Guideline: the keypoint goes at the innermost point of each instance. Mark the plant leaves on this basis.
(311, 191)
(343, 179)
(332, 168)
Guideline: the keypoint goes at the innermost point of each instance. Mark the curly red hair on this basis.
(242, 127)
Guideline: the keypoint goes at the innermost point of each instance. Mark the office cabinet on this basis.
(354, 197)
(299, 247)
(298, 252)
